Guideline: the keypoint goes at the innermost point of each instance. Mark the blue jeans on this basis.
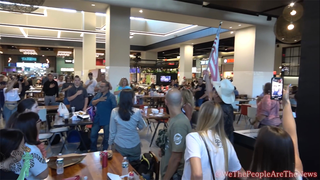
(199, 102)
(8, 110)
(94, 136)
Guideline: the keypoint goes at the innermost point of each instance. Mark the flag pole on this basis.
(218, 30)
(206, 77)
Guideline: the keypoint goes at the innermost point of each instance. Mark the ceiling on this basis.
(272, 8)
(169, 13)
(225, 45)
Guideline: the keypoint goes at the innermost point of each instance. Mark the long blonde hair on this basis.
(187, 97)
(211, 118)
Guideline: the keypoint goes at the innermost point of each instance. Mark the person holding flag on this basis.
(223, 90)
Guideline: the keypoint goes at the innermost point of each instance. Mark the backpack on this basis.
(146, 166)
(162, 140)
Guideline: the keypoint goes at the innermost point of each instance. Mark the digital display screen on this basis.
(165, 78)
(134, 70)
(277, 88)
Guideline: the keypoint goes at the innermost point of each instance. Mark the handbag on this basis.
(63, 110)
(208, 156)
(91, 110)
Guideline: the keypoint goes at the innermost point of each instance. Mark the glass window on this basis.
(291, 60)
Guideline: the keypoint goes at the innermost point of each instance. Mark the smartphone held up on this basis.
(276, 88)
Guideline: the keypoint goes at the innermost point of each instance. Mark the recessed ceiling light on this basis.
(93, 5)
(230, 27)
(192, 43)
(42, 55)
(231, 32)
(239, 25)
(226, 49)
(140, 11)
(295, 40)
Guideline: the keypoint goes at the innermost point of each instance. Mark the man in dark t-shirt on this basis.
(200, 93)
(77, 95)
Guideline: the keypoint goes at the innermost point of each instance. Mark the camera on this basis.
(20, 78)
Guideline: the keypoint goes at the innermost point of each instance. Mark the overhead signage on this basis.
(228, 60)
(67, 69)
(29, 59)
(69, 61)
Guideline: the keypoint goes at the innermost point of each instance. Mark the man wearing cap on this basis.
(102, 78)
(223, 93)
(90, 84)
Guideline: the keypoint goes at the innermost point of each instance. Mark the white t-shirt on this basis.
(60, 82)
(37, 165)
(195, 147)
(12, 95)
(90, 89)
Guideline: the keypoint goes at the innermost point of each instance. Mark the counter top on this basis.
(252, 133)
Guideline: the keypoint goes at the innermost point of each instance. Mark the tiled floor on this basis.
(145, 137)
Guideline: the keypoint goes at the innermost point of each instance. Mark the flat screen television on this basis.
(165, 78)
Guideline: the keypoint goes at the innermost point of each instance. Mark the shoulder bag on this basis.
(212, 171)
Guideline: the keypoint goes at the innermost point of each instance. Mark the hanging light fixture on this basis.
(290, 26)
(292, 12)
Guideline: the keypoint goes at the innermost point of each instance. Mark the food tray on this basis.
(82, 114)
(68, 160)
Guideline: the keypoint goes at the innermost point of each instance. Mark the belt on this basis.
(11, 102)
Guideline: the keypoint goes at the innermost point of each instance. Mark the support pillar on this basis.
(185, 63)
(117, 44)
(78, 64)
(253, 59)
(88, 44)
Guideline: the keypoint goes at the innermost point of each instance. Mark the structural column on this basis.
(78, 63)
(117, 44)
(149, 55)
(253, 59)
(88, 44)
(185, 63)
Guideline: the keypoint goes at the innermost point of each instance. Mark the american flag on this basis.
(213, 64)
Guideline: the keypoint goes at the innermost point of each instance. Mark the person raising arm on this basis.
(289, 125)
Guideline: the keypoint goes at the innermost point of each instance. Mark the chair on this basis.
(252, 112)
(149, 121)
(243, 111)
(156, 167)
(56, 131)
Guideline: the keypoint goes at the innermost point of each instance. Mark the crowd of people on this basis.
(206, 152)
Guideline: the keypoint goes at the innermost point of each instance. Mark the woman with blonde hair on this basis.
(188, 102)
(123, 84)
(209, 153)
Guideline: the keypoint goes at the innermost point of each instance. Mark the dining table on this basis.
(159, 117)
(52, 108)
(76, 125)
(91, 167)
